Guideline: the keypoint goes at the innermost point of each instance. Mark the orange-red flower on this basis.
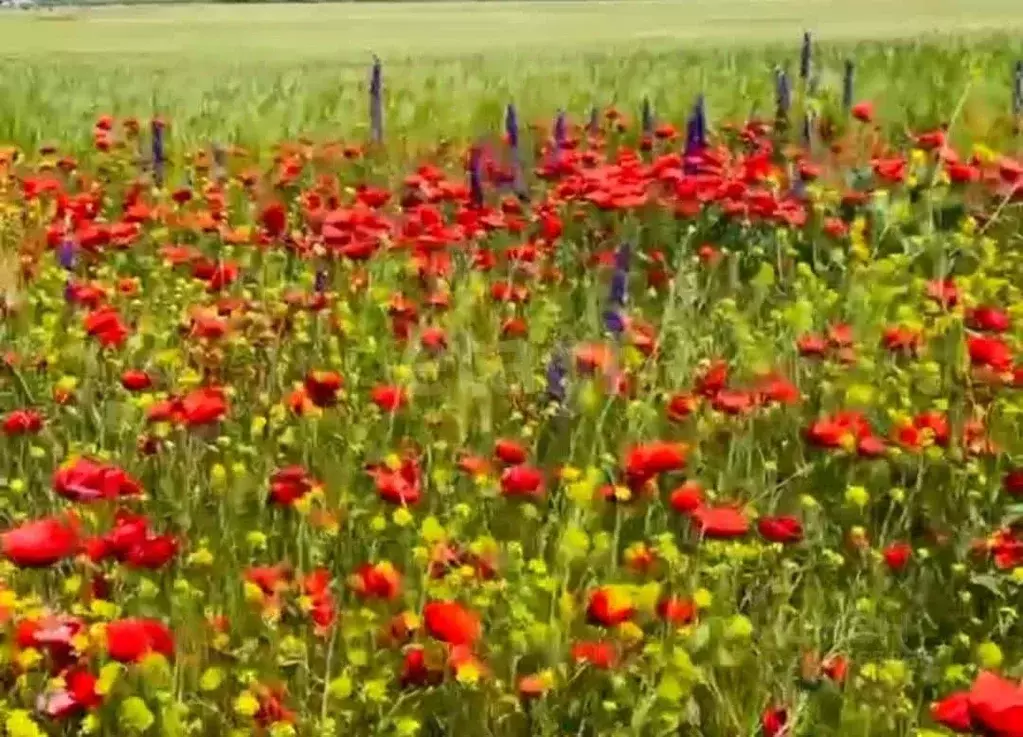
(85, 480)
(42, 542)
(376, 581)
(131, 640)
(22, 422)
(450, 622)
(522, 481)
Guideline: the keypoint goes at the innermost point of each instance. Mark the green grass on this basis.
(345, 31)
(256, 73)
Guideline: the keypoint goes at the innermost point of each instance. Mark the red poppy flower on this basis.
(203, 406)
(290, 484)
(900, 339)
(322, 387)
(996, 706)
(835, 667)
(785, 530)
(389, 398)
(131, 640)
(601, 655)
(897, 555)
(713, 379)
(643, 462)
(954, 712)
(271, 707)
(376, 581)
(687, 498)
(989, 351)
(988, 319)
(274, 219)
(1013, 482)
(774, 721)
(522, 481)
(863, 111)
(22, 422)
(450, 622)
(608, 607)
(106, 325)
(945, 293)
(812, 345)
(136, 380)
(680, 406)
(78, 694)
(85, 480)
(533, 686)
(417, 671)
(401, 485)
(510, 452)
(720, 522)
(676, 611)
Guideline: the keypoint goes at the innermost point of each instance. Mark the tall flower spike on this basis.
(156, 128)
(808, 129)
(556, 371)
(700, 114)
(321, 280)
(511, 126)
(847, 85)
(648, 117)
(805, 57)
(475, 177)
(66, 255)
(219, 162)
(1017, 90)
(594, 125)
(620, 276)
(376, 111)
(783, 97)
(559, 129)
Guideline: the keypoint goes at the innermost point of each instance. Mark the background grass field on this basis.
(255, 73)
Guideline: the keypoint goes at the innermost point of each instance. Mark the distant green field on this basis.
(350, 30)
(253, 73)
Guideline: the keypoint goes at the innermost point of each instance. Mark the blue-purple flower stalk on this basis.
(648, 118)
(159, 155)
(783, 95)
(805, 55)
(1017, 90)
(696, 135)
(376, 110)
(321, 280)
(847, 85)
(511, 130)
(556, 372)
(593, 126)
(559, 130)
(475, 177)
(66, 255)
(613, 320)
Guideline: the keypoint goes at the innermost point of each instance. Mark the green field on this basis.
(286, 70)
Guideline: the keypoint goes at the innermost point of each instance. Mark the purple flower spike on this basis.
(805, 57)
(475, 178)
(1017, 90)
(321, 280)
(593, 127)
(559, 129)
(847, 85)
(783, 96)
(66, 255)
(614, 322)
(511, 127)
(376, 111)
(159, 155)
(556, 372)
(648, 118)
(620, 276)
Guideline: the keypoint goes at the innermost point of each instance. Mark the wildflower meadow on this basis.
(609, 391)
